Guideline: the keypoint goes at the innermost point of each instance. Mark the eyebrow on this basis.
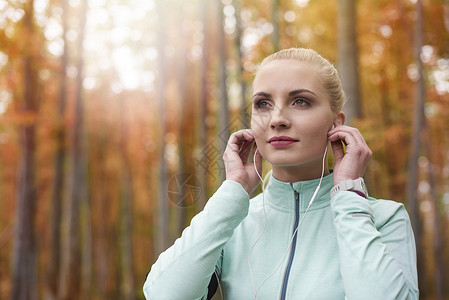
(292, 93)
(263, 94)
(295, 92)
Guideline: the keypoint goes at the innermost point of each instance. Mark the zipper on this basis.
(292, 251)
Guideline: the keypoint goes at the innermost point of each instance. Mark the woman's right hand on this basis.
(236, 162)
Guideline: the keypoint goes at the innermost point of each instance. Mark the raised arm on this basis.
(184, 270)
(375, 239)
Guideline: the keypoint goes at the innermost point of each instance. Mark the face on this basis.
(291, 114)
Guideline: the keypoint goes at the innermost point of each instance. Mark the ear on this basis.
(340, 119)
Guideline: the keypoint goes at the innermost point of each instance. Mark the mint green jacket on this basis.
(346, 247)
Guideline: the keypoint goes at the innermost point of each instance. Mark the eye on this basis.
(301, 102)
(261, 104)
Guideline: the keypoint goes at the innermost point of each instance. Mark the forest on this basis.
(114, 116)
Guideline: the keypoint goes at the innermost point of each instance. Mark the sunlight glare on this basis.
(117, 39)
(5, 98)
(412, 72)
(3, 59)
(97, 3)
(40, 6)
(196, 53)
(302, 3)
(151, 53)
(57, 11)
(89, 83)
(56, 47)
(53, 29)
(15, 14)
(101, 16)
(118, 35)
(71, 35)
(74, 3)
(386, 31)
(289, 16)
(440, 76)
(129, 75)
(3, 5)
(426, 53)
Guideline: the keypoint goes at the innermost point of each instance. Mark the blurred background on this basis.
(114, 115)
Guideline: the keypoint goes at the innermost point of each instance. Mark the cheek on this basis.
(316, 122)
(315, 131)
(259, 131)
(259, 123)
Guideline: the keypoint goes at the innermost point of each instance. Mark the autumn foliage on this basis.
(82, 111)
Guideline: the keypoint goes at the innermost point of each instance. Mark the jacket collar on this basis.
(281, 195)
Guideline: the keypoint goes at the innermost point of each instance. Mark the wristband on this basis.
(357, 185)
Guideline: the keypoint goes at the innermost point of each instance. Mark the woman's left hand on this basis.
(353, 163)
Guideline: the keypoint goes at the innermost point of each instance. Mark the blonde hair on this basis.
(327, 73)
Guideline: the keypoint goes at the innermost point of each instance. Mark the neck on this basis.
(301, 172)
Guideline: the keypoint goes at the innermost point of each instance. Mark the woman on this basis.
(312, 233)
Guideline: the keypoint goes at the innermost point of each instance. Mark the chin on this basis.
(283, 159)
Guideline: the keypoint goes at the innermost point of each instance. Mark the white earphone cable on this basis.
(265, 223)
(294, 233)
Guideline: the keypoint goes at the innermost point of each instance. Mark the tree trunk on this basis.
(163, 235)
(437, 243)
(86, 231)
(446, 14)
(412, 196)
(126, 241)
(58, 182)
(24, 268)
(101, 245)
(348, 57)
(201, 162)
(87, 249)
(182, 174)
(244, 107)
(71, 263)
(275, 17)
(223, 110)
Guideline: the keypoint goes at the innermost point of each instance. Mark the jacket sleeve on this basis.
(184, 270)
(378, 257)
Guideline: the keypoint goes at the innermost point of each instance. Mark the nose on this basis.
(279, 119)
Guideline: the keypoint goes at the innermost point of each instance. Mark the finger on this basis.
(245, 151)
(354, 140)
(241, 136)
(355, 147)
(236, 141)
(354, 132)
(345, 136)
(337, 148)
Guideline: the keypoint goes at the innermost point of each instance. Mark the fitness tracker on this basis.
(357, 185)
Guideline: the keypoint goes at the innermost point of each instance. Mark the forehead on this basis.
(286, 74)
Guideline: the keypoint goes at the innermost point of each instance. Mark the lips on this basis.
(282, 138)
(281, 141)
